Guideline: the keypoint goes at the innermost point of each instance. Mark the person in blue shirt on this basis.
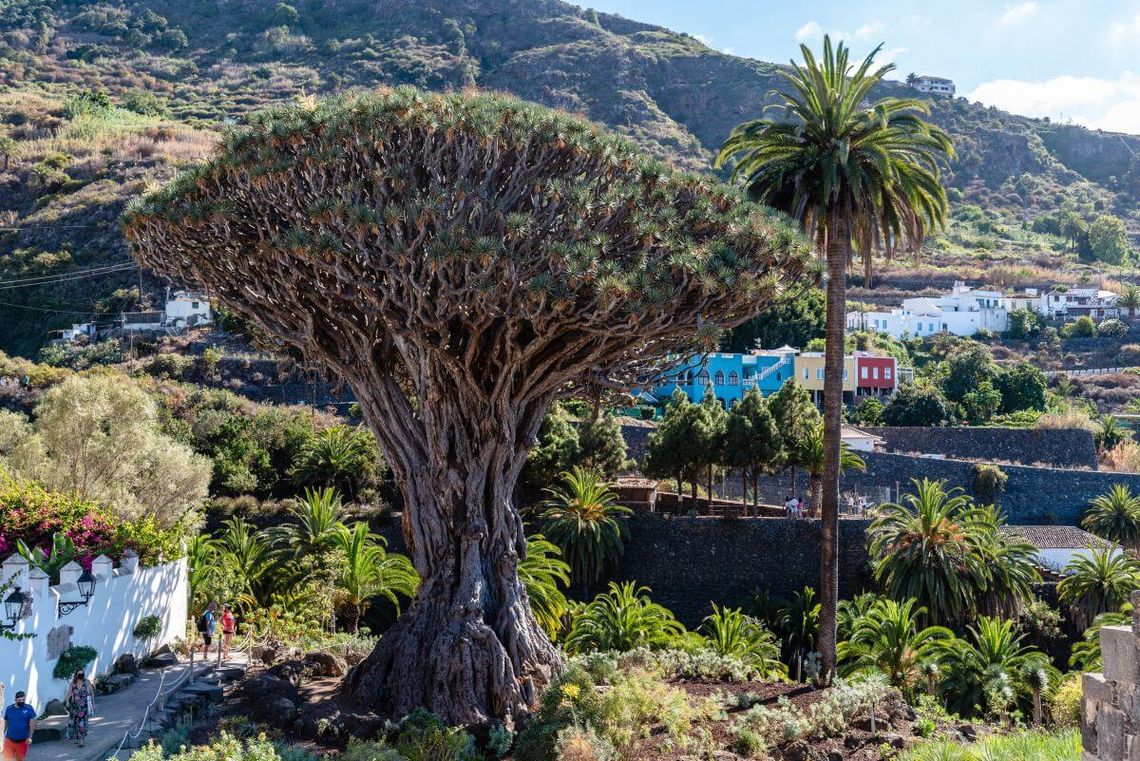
(20, 725)
(206, 625)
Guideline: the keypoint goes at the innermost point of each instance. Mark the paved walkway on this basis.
(116, 714)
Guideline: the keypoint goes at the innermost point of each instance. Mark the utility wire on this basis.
(67, 278)
(34, 278)
(44, 309)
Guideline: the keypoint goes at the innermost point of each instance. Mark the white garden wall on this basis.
(123, 596)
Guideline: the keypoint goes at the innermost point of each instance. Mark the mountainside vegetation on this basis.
(99, 101)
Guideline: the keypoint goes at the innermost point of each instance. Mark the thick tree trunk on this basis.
(838, 254)
(468, 648)
(816, 495)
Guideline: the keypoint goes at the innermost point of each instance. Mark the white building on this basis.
(1096, 303)
(963, 312)
(934, 85)
(186, 309)
(1057, 546)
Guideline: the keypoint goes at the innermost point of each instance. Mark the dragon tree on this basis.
(462, 261)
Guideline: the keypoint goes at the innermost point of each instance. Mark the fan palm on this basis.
(1115, 516)
(927, 549)
(1096, 582)
(582, 518)
(368, 571)
(889, 640)
(847, 170)
(541, 572)
(989, 662)
(730, 632)
(624, 618)
(811, 458)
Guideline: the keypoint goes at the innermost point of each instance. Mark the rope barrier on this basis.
(127, 734)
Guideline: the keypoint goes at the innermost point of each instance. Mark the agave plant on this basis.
(583, 519)
(728, 631)
(1097, 582)
(541, 573)
(622, 619)
(888, 640)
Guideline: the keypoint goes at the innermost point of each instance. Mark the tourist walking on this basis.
(229, 626)
(20, 725)
(206, 625)
(80, 705)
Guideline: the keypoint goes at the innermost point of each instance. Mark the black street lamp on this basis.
(13, 610)
(86, 584)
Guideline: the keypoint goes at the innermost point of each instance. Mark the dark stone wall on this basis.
(1063, 448)
(690, 562)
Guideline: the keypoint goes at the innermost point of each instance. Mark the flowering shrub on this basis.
(34, 515)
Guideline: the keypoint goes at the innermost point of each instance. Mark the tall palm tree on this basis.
(889, 640)
(582, 517)
(1097, 582)
(850, 171)
(1115, 516)
(927, 549)
(1011, 566)
(368, 571)
(812, 459)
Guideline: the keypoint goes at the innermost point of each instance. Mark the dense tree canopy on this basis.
(461, 261)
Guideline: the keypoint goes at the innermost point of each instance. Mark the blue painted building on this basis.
(730, 375)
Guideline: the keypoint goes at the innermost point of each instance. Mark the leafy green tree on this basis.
(367, 570)
(582, 517)
(709, 442)
(1096, 582)
(1022, 388)
(1082, 327)
(982, 403)
(889, 640)
(1108, 238)
(556, 452)
(917, 405)
(457, 306)
(793, 321)
(796, 419)
(670, 452)
(752, 442)
(8, 150)
(622, 619)
(728, 631)
(985, 671)
(1072, 228)
(967, 368)
(1115, 516)
(849, 171)
(601, 445)
(542, 572)
(1024, 324)
(869, 412)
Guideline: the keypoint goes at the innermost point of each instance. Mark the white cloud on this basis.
(703, 39)
(890, 55)
(1127, 30)
(813, 30)
(1015, 14)
(1109, 104)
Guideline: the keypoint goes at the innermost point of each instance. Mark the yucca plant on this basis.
(1115, 516)
(1097, 581)
(728, 631)
(622, 619)
(582, 517)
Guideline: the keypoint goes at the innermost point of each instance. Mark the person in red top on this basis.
(229, 626)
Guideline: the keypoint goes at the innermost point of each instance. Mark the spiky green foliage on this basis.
(622, 619)
(1097, 581)
(949, 555)
(543, 572)
(583, 519)
(890, 640)
(1115, 515)
(316, 518)
(369, 570)
(728, 631)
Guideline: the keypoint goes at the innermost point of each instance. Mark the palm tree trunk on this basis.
(816, 494)
(838, 254)
(1036, 707)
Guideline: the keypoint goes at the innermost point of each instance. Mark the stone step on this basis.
(50, 729)
(210, 693)
(161, 661)
(231, 673)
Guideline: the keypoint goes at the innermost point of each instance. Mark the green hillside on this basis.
(177, 70)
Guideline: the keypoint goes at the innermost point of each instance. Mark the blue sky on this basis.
(1071, 59)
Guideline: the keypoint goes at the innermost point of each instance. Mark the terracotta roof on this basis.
(1058, 537)
(851, 432)
(635, 482)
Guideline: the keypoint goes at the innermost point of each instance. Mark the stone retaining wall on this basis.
(1110, 702)
(1058, 448)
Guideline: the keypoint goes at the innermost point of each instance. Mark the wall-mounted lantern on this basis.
(13, 610)
(86, 585)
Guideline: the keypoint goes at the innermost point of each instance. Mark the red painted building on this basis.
(874, 375)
